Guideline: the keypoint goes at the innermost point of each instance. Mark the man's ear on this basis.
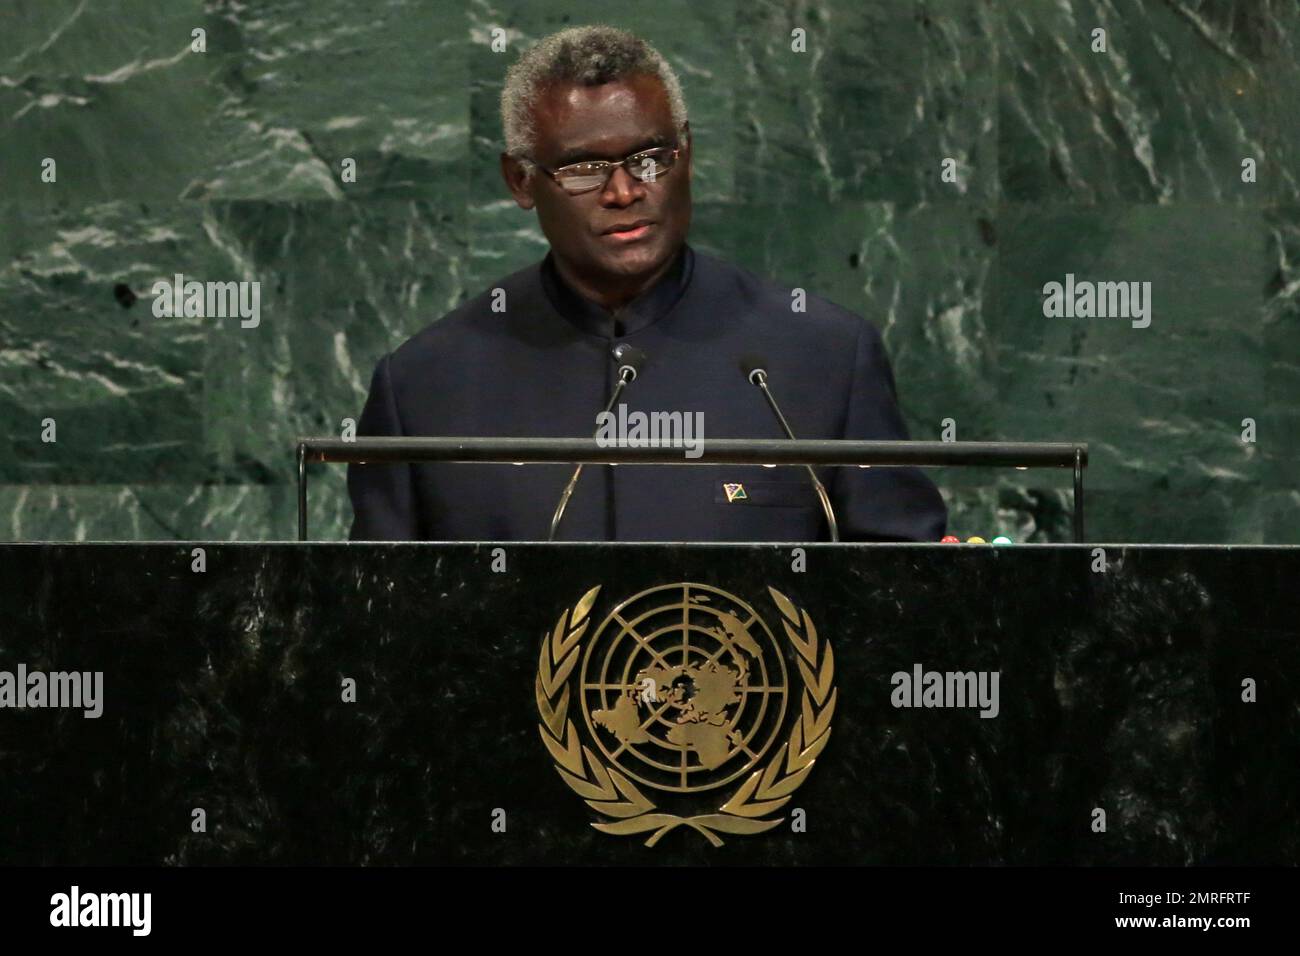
(686, 148)
(518, 180)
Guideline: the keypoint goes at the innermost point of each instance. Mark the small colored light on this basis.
(1002, 539)
(975, 539)
(950, 539)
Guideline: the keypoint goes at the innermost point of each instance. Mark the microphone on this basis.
(630, 360)
(755, 369)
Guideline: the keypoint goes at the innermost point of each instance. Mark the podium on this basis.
(486, 703)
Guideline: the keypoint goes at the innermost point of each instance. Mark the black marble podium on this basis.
(1120, 689)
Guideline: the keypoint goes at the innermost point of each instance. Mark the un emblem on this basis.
(683, 695)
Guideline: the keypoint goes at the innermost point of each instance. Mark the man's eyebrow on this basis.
(583, 156)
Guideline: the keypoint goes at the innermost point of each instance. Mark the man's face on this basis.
(579, 123)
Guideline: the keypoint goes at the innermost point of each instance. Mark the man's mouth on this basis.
(628, 231)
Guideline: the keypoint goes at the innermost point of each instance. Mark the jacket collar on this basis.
(646, 309)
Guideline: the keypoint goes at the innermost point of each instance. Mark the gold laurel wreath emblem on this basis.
(611, 793)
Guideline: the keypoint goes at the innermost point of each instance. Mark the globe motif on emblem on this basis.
(684, 687)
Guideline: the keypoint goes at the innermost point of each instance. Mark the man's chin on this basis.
(633, 260)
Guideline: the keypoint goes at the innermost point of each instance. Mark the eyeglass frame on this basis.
(612, 165)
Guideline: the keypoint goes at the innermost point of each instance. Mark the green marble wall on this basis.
(821, 169)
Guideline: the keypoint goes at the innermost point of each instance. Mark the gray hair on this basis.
(589, 56)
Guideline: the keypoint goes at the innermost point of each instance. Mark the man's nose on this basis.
(622, 188)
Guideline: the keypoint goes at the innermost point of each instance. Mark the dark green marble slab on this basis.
(1185, 92)
(884, 93)
(818, 169)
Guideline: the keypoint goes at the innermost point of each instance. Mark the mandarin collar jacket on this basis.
(541, 367)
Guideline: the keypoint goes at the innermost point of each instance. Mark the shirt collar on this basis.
(646, 309)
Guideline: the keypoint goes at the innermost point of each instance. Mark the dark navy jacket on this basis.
(541, 368)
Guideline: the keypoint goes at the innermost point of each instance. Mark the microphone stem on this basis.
(761, 380)
(625, 376)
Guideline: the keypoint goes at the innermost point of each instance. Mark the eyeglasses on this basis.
(644, 166)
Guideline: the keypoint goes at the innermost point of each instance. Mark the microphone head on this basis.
(754, 367)
(629, 357)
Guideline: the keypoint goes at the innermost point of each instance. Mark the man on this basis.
(598, 143)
